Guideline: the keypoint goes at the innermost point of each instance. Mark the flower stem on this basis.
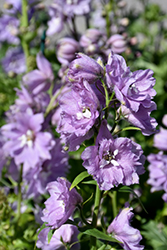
(24, 25)
(19, 193)
(95, 215)
(114, 203)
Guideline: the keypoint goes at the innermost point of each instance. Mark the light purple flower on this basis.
(92, 41)
(121, 230)
(157, 172)
(79, 110)
(39, 80)
(160, 139)
(132, 89)
(14, 61)
(61, 204)
(26, 143)
(113, 161)
(61, 10)
(141, 118)
(9, 26)
(26, 100)
(38, 177)
(84, 67)
(66, 233)
(66, 49)
(56, 23)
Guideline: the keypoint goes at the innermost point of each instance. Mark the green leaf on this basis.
(91, 182)
(79, 178)
(98, 234)
(50, 234)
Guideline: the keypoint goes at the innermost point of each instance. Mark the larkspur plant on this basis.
(72, 143)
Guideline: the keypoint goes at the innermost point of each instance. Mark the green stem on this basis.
(108, 9)
(24, 25)
(114, 203)
(19, 192)
(95, 215)
(54, 97)
(113, 196)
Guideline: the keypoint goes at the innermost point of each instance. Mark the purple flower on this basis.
(14, 61)
(39, 80)
(117, 43)
(92, 41)
(38, 177)
(61, 204)
(141, 118)
(9, 29)
(160, 138)
(61, 10)
(65, 234)
(121, 230)
(113, 161)
(26, 143)
(66, 49)
(85, 67)
(79, 110)
(132, 89)
(158, 172)
(56, 24)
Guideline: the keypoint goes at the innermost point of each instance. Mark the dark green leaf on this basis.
(79, 178)
(98, 234)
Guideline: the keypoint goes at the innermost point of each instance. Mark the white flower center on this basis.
(110, 158)
(84, 114)
(132, 89)
(27, 139)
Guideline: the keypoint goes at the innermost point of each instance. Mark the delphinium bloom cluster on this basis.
(93, 90)
(158, 162)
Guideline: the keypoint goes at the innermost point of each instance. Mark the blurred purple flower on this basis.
(27, 100)
(61, 204)
(158, 172)
(38, 177)
(132, 89)
(9, 26)
(121, 230)
(14, 61)
(61, 10)
(66, 49)
(117, 43)
(26, 143)
(92, 41)
(160, 139)
(65, 234)
(39, 80)
(113, 161)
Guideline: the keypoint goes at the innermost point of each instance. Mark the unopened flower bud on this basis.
(117, 43)
(66, 49)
